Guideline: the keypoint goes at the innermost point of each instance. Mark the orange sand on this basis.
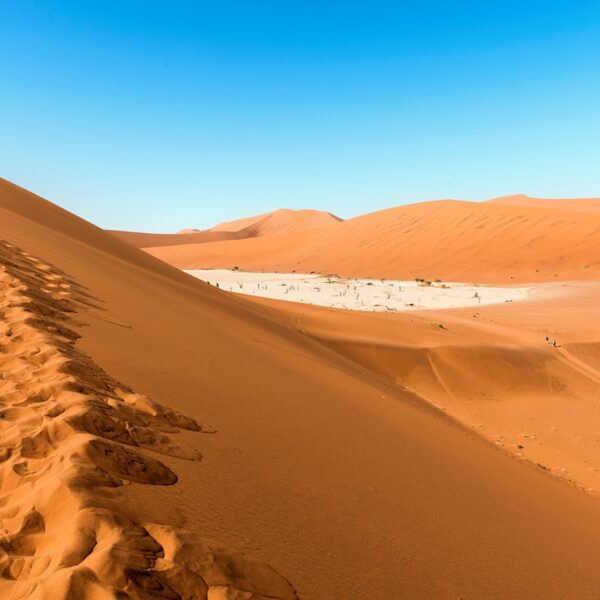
(276, 222)
(344, 482)
(446, 239)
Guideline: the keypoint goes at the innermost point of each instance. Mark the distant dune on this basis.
(283, 220)
(585, 205)
(145, 240)
(189, 230)
(493, 241)
(349, 485)
(276, 222)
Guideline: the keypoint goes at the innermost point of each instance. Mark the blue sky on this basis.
(161, 115)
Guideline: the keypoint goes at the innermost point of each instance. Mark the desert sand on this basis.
(494, 369)
(585, 205)
(322, 466)
(448, 239)
(282, 220)
(526, 376)
(277, 222)
(382, 295)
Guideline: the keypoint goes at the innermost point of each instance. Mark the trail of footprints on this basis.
(70, 436)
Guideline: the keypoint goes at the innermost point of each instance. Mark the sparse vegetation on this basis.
(423, 282)
(365, 293)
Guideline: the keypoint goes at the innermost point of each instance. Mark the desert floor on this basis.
(524, 375)
(359, 294)
(535, 390)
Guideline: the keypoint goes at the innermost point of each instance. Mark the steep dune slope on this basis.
(339, 480)
(145, 240)
(448, 239)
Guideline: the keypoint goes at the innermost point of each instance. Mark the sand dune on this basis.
(276, 222)
(585, 205)
(344, 482)
(450, 240)
(70, 439)
(145, 240)
(282, 220)
(491, 368)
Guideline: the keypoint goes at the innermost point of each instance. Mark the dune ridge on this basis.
(453, 240)
(349, 485)
(583, 205)
(268, 224)
(142, 240)
(70, 451)
(282, 220)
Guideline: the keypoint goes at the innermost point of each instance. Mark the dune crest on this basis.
(70, 453)
(486, 242)
(277, 222)
(282, 220)
(582, 205)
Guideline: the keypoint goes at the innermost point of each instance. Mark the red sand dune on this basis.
(282, 220)
(586, 205)
(446, 239)
(276, 222)
(145, 240)
(189, 230)
(348, 485)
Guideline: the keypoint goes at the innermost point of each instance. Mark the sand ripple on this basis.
(70, 437)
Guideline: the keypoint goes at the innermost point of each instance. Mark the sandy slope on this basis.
(452, 240)
(491, 368)
(347, 485)
(276, 222)
(144, 240)
(70, 440)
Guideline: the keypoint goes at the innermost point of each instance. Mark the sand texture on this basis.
(494, 369)
(326, 464)
(71, 438)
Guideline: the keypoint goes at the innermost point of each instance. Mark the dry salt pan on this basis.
(385, 295)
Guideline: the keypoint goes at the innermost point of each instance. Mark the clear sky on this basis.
(156, 115)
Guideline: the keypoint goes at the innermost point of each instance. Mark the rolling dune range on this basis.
(347, 484)
(488, 242)
(277, 222)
